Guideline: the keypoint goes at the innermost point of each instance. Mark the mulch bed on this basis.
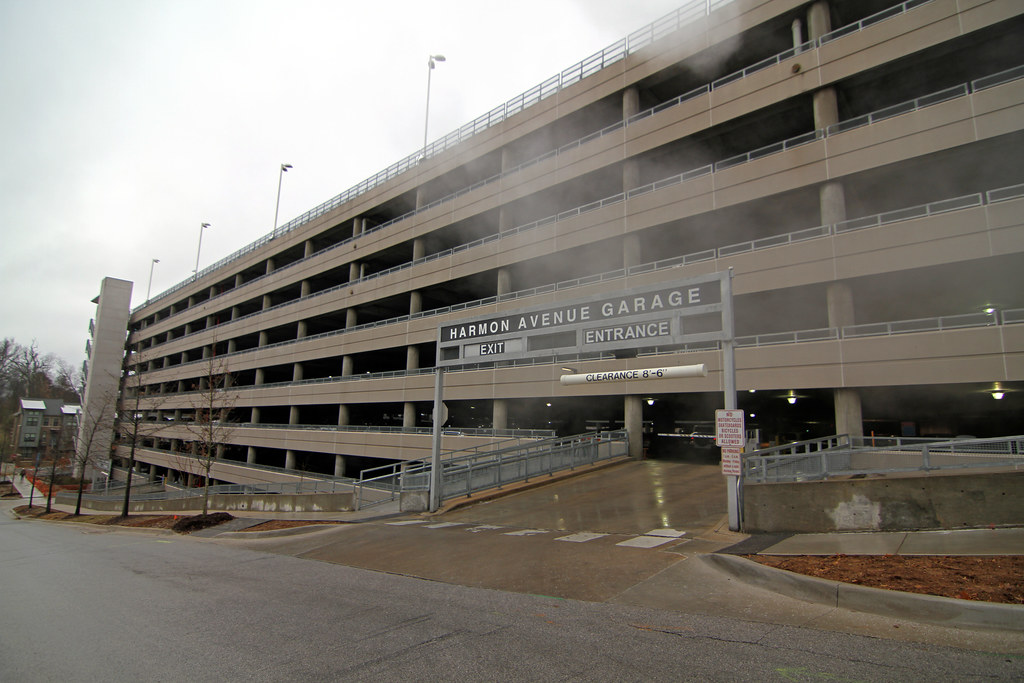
(998, 578)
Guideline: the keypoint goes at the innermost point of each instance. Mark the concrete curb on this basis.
(928, 608)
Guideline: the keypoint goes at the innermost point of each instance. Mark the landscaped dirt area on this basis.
(990, 578)
(182, 524)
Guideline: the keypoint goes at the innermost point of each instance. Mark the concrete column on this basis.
(634, 421)
(270, 266)
(289, 459)
(293, 415)
(236, 312)
(346, 366)
(358, 226)
(151, 365)
(504, 281)
(797, 28)
(339, 465)
(302, 328)
(188, 329)
(847, 403)
(819, 20)
(297, 371)
(207, 352)
(632, 254)
(419, 248)
(351, 319)
(254, 417)
(239, 280)
(232, 345)
(499, 414)
(421, 197)
(177, 414)
(250, 455)
(353, 271)
(191, 301)
(412, 357)
(259, 377)
(267, 301)
(342, 415)
(415, 302)
(220, 451)
(308, 249)
(409, 415)
(305, 288)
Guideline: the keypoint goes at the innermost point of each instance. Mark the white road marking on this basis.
(581, 537)
(668, 533)
(645, 542)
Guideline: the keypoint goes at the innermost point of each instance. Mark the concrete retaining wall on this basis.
(277, 502)
(886, 504)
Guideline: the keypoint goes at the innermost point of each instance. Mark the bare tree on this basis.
(211, 426)
(132, 425)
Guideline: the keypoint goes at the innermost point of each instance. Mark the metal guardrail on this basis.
(843, 456)
(610, 55)
(464, 475)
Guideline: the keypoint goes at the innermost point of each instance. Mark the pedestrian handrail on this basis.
(843, 456)
(463, 474)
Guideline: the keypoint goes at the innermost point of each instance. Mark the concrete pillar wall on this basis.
(342, 415)
(633, 418)
(305, 288)
(339, 465)
(308, 249)
(351, 319)
(412, 357)
(819, 20)
(297, 371)
(631, 251)
(289, 459)
(353, 271)
(254, 417)
(239, 280)
(409, 415)
(259, 377)
(303, 326)
(797, 28)
(504, 281)
(346, 366)
(264, 338)
(419, 248)
(294, 415)
(415, 302)
(267, 301)
(499, 414)
(270, 266)
(250, 455)
(232, 345)
(236, 312)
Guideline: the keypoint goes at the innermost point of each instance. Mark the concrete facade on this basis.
(860, 173)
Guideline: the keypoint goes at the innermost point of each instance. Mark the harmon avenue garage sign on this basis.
(689, 310)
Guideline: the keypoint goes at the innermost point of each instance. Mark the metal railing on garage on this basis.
(843, 456)
(466, 473)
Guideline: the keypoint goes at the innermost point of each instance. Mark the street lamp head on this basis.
(205, 225)
(434, 58)
(285, 167)
(156, 260)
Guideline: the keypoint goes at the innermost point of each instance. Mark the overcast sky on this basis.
(125, 124)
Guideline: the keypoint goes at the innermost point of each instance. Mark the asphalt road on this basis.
(85, 604)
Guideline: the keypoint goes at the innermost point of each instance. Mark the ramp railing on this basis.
(465, 473)
(845, 456)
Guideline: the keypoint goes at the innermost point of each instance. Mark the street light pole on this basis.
(431, 60)
(202, 227)
(280, 177)
(149, 288)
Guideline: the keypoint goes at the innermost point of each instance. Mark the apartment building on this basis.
(44, 428)
(856, 165)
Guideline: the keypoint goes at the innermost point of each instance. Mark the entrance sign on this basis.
(688, 310)
(641, 374)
